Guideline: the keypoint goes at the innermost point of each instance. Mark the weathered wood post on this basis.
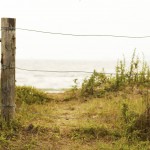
(8, 48)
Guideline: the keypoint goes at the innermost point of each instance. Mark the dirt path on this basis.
(67, 114)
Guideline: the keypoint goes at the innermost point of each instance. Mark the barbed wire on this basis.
(76, 35)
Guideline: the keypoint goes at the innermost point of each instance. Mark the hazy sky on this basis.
(119, 17)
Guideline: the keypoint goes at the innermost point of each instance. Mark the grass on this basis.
(95, 124)
(106, 113)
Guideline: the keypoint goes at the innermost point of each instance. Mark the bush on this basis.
(30, 95)
(135, 75)
(96, 85)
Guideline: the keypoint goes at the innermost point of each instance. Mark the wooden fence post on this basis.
(8, 48)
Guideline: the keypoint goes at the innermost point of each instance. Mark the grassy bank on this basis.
(106, 113)
(94, 124)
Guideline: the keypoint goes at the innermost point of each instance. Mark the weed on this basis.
(30, 95)
(96, 85)
(142, 123)
(73, 93)
(133, 76)
(129, 117)
(90, 131)
(8, 132)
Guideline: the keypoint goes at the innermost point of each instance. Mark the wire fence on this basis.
(67, 71)
(69, 34)
(76, 35)
(70, 71)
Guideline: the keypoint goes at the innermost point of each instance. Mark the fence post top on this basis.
(7, 18)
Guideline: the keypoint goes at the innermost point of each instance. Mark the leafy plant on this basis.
(96, 85)
(133, 76)
(30, 95)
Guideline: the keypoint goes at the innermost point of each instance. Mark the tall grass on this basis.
(135, 77)
(136, 74)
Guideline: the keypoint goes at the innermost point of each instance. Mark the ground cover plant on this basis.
(108, 112)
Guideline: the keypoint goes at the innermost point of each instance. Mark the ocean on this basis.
(56, 81)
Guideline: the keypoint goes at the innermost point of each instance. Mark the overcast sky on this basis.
(118, 17)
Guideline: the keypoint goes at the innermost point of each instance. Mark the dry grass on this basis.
(95, 124)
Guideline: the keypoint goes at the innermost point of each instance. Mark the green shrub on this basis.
(30, 95)
(96, 85)
(120, 73)
(8, 132)
(142, 123)
(135, 75)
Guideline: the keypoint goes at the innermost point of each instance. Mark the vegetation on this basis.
(136, 75)
(30, 95)
(106, 113)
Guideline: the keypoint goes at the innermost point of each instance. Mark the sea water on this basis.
(58, 81)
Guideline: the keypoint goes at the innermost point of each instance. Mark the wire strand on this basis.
(77, 35)
(52, 71)
(84, 35)
(56, 71)
(64, 71)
